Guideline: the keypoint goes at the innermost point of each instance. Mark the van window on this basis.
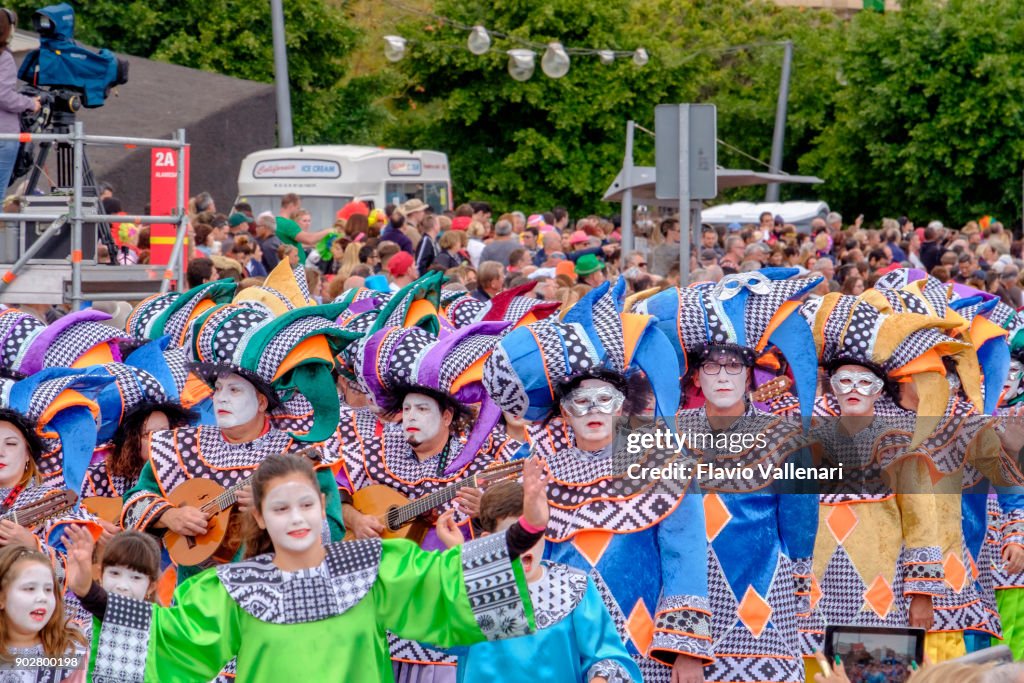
(323, 209)
(434, 194)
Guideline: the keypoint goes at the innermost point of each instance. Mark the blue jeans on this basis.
(8, 157)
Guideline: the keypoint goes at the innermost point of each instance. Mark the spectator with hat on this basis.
(353, 209)
(402, 270)
(590, 270)
(414, 210)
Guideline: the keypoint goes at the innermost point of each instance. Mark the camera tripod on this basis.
(61, 122)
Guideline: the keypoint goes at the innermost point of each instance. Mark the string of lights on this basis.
(554, 63)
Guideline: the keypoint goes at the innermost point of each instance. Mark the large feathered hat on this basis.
(595, 335)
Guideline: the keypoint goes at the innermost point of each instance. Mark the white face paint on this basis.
(421, 419)
(13, 455)
(29, 601)
(235, 400)
(723, 390)
(1012, 385)
(125, 581)
(293, 513)
(595, 429)
(156, 422)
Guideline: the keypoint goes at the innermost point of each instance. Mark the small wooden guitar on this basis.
(32, 514)
(771, 389)
(404, 518)
(223, 535)
(107, 509)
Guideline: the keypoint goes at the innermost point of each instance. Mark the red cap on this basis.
(399, 264)
(461, 222)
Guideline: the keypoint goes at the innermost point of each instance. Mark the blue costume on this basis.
(575, 640)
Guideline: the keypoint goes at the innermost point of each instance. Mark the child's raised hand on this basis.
(79, 544)
(535, 492)
(448, 531)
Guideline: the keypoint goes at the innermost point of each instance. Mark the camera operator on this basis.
(12, 103)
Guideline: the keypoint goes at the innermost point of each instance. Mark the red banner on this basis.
(163, 196)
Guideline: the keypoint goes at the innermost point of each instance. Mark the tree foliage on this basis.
(930, 122)
(233, 37)
(545, 142)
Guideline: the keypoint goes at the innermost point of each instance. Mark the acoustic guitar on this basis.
(405, 518)
(107, 509)
(32, 514)
(223, 535)
(771, 389)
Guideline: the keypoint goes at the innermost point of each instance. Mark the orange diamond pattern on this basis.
(754, 611)
(815, 592)
(879, 596)
(640, 626)
(716, 515)
(592, 544)
(842, 520)
(956, 572)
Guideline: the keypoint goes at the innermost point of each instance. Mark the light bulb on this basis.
(555, 62)
(479, 40)
(394, 48)
(640, 57)
(520, 64)
(606, 56)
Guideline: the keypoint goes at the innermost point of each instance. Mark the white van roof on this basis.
(347, 152)
(797, 213)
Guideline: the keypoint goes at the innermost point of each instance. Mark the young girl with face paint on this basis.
(336, 600)
(33, 623)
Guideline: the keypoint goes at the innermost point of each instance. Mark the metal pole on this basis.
(627, 196)
(771, 193)
(684, 195)
(176, 262)
(284, 103)
(76, 220)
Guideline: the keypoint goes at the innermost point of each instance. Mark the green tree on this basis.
(233, 37)
(929, 123)
(545, 142)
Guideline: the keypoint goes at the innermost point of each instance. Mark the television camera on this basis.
(66, 77)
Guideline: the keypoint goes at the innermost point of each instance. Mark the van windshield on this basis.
(323, 209)
(434, 194)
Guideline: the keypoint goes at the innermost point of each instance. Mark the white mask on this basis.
(293, 514)
(235, 401)
(1012, 385)
(13, 455)
(29, 601)
(125, 581)
(724, 390)
(421, 419)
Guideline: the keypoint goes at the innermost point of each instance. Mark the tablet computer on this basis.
(875, 654)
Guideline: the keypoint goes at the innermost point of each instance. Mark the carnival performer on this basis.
(276, 610)
(34, 625)
(942, 394)
(249, 357)
(761, 530)
(640, 540)
(576, 640)
(877, 556)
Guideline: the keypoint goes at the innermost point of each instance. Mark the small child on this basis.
(34, 625)
(575, 641)
(130, 564)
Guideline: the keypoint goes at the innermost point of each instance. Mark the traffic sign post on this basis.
(686, 162)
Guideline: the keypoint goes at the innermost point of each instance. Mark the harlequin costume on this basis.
(963, 448)
(279, 356)
(640, 541)
(761, 533)
(282, 626)
(876, 545)
(576, 639)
